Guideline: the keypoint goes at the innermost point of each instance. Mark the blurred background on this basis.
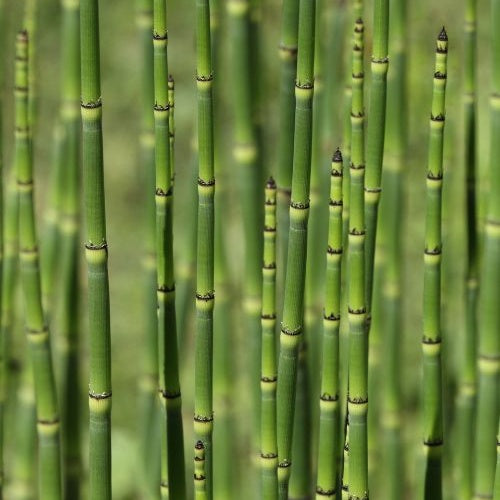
(125, 195)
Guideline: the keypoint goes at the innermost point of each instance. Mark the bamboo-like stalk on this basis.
(431, 340)
(375, 135)
(292, 323)
(30, 24)
(37, 332)
(288, 71)
(171, 124)
(268, 378)
(488, 353)
(392, 214)
(466, 397)
(167, 329)
(203, 407)
(200, 478)
(3, 352)
(66, 326)
(150, 446)
(358, 342)
(497, 473)
(96, 252)
(329, 424)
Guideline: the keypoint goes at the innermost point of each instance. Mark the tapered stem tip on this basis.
(171, 82)
(22, 35)
(271, 183)
(337, 156)
(443, 36)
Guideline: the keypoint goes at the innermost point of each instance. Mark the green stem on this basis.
(37, 332)
(431, 340)
(200, 474)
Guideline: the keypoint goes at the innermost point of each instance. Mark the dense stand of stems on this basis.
(205, 295)
(392, 212)
(466, 397)
(488, 352)
(268, 375)
(48, 425)
(67, 324)
(167, 329)
(431, 339)
(292, 319)
(329, 424)
(358, 342)
(96, 252)
(150, 449)
(375, 134)
(288, 70)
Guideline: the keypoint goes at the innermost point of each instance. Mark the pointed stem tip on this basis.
(443, 36)
(337, 156)
(271, 183)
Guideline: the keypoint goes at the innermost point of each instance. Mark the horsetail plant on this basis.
(167, 329)
(466, 397)
(358, 343)
(3, 352)
(150, 449)
(329, 423)
(200, 478)
(431, 340)
(171, 124)
(292, 319)
(96, 253)
(203, 406)
(66, 325)
(36, 329)
(268, 378)
(488, 350)
(392, 212)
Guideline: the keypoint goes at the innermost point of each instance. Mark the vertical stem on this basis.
(200, 477)
(149, 425)
(3, 352)
(292, 323)
(268, 378)
(167, 329)
(96, 252)
(37, 332)
(358, 342)
(67, 313)
(488, 355)
(431, 340)
(329, 425)
(203, 411)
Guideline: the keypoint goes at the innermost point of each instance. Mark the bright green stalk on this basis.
(288, 57)
(466, 397)
(167, 328)
(268, 448)
(37, 332)
(150, 446)
(392, 213)
(30, 24)
(431, 340)
(497, 473)
(3, 352)
(358, 342)
(67, 317)
(488, 359)
(96, 252)
(345, 466)
(375, 135)
(329, 424)
(292, 324)
(200, 474)
(171, 123)
(203, 407)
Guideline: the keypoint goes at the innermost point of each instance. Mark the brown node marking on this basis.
(357, 232)
(291, 333)
(160, 108)
(328, 397)
(336, 203)
(100, 395)
(298, 205)
(440, 76)
(304, 86)
(333, 251)
(203, 419)
(433, 251)
(268, 229)
(91, 104)
(434, 176)
(433, 442)
(268, 455)
(268, 380)
(37, 331)
(268, 316)
(159, 37)
(373, 190)
(325, 493)
(380, 60)
(438, 118)
(331, 317)
(162, 194)
(169, 394)
(357, 401)
(284, 464)
(205, 78)
(429, 341)
(285, 48)
(270, 266)
(203, 182)
(206, 296)
(95, 247)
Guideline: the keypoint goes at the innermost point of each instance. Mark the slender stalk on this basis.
(150, 448)
(292, 323)
(375, 135)
(200, 478)
(268, 378)
(431, 340)
(497, 473)
(203, 407)
(392, 216)
(171, 124)
(329, 424)
(358, 342)
(288, 71)
(167, 328)
(3, 352)
(30, 24)
(466, 397)
(488, 354)
(96, 252)
(36, 330)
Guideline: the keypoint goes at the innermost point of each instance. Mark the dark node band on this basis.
(433, 442)
(37, 331)
(331, 317)
(169, 394)
(24, 183)
(288, 49)
(268, 316)
(373, 190)
(203, 418)
(357, 401)
(328, 397)
(205, 297)
(21, 88)
(268, 380)
(157, 36)
(304, 86)
(352, 165)
(95, 247)
(100, 395)
(270, 203)
(268, 456)
(361, 114)
(438, 118)
(298, 205)
(357, 232)
(285, 464)
(159, 108)
(205, 78)
(433, 251)
(336, 203)
(201, 477)
(325, 493)
(334, 251)
(203, 182)
(270, 266)
(489, 357)
(440, 76)
(91, 104)
(438, 176)
(429, 341)
(47, 421)
(335, 172)
(166, 289)
(268, 229)
(380, 60)
(291, 333)
(357, 311)
(199, 446)
(491, 222)
(162, 194)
